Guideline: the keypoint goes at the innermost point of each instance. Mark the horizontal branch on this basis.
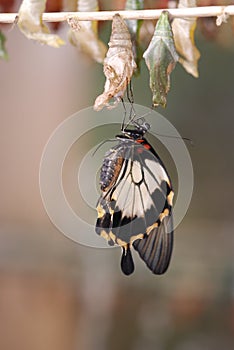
(206, 11)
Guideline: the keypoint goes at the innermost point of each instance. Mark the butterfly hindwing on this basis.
(156, 247)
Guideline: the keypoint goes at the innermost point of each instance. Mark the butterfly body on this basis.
(135, 207)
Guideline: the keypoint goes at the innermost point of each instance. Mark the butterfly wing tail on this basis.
(127, 264)
(156, 248)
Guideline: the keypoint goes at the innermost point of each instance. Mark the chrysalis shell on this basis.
(183, 30)
(161, 58)
(119, 64)
(84, 34)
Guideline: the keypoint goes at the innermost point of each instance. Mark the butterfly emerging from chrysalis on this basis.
(135, 206)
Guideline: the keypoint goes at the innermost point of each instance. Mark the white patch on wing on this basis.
(135, 200)
(158, 171)
(133, 205)
(151, 181)
(136, 172)
(126, 178)
(146, 196)
(125, 195)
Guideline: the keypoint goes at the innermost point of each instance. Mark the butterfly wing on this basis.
(156, 247)
(133, 209)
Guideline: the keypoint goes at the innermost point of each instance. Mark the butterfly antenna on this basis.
(176, 137)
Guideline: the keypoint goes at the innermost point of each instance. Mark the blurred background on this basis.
(56, 294)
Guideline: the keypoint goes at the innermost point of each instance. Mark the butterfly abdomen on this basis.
(111, 167)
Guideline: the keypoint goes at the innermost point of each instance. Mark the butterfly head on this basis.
(135, 133)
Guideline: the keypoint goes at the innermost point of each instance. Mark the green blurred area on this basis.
(56, 294)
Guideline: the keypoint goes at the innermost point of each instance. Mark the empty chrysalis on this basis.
(119, 65)
(31, 25)
(183, 30)
(84, 34)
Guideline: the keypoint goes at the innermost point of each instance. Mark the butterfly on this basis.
(135, 206)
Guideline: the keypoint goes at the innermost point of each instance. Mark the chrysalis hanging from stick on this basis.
(84, 34)
(161, 58)
(119, 65)
(183, 30)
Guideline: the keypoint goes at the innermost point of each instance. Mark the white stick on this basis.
(206, 11)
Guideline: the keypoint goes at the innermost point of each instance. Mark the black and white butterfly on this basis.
(135, 206)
